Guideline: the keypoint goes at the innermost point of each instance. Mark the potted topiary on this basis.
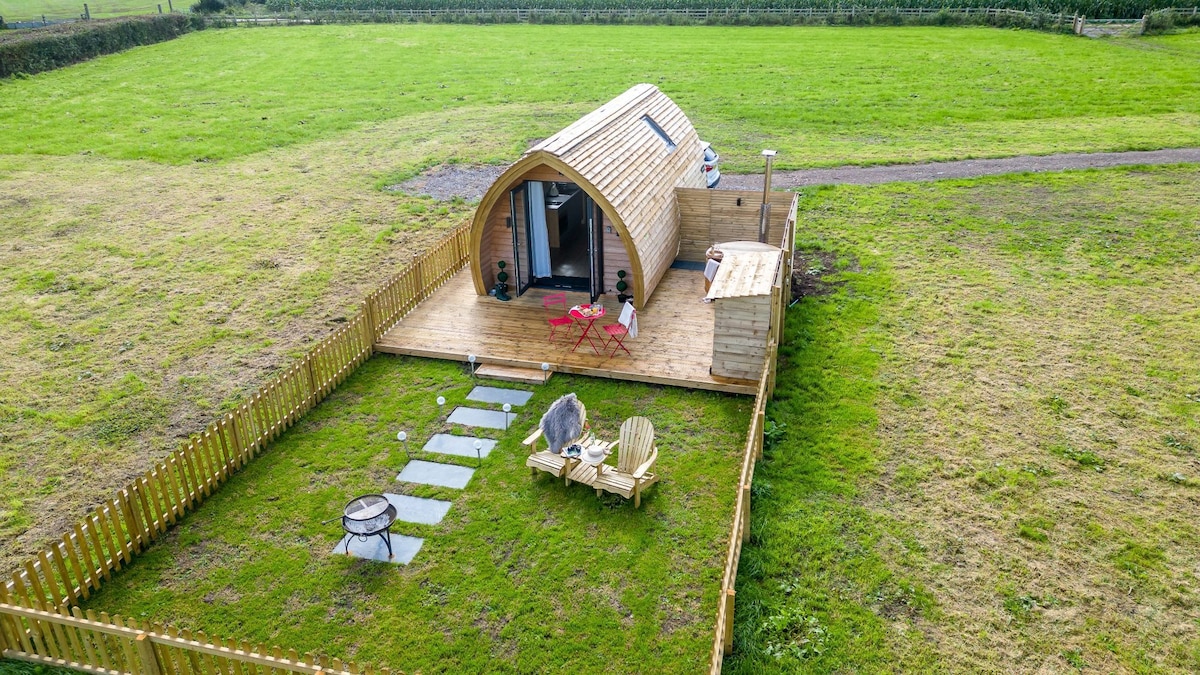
(622, 296)
(501, 288)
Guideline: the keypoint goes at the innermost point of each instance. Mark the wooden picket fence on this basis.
(753, 451)
(404, 291)
(34, 621)
(40, 621)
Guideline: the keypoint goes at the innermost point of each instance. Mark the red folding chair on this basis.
(557, 321)
(626, 326)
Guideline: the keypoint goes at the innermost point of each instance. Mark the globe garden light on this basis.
(478, 452)
(507, 409)
(403, 438)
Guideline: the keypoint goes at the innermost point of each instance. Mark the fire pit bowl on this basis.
(368, 516)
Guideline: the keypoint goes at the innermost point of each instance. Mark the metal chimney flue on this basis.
(764, 216)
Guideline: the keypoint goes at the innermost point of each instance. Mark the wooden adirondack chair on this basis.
(556, 464)
(635, 458)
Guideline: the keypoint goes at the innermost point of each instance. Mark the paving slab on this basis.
(417, 509)
(463, 446)
(500, 396)
(478, 417)
(433, 473)
(404, 548)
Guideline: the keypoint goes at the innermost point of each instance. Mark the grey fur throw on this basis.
(563, 422)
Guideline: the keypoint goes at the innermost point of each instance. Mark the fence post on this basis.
(418, 272)
(170, 7)
(367, 332)
(145, 650)
(313, 387)
(729, 593)
(87, 13)
(745, 513)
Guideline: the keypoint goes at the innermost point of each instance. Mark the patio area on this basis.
(674, 344)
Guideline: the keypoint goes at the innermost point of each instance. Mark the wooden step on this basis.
(494, 371)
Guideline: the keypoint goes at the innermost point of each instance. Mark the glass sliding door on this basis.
(595, 228)
(518, 201)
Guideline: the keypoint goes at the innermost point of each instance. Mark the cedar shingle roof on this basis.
(624, 158)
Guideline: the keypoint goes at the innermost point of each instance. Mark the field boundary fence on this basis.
(280, 15)
(39, 619)
(753, 450)
(719, 16)
(1170, 17)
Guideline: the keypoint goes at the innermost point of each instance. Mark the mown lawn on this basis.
(523, 575)
(821, 96)
(992, 460)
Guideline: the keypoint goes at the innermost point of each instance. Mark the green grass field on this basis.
(166, 248)
(142, 296)
(820, 96)
(28, 10)
(993, 420)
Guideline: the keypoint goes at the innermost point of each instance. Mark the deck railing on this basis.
(753, 450)
(404, 291)
(106, 539)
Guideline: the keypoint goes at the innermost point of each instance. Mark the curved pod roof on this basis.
(628, 155)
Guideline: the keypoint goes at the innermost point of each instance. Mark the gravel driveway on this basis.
(470, 182)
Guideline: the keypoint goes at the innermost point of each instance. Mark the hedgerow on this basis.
(40, 49)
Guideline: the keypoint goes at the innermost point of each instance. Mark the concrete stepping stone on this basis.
(500, 396)
(404, 548)
(463, 446)
(417, 509)
(432, 473)
(478, 417)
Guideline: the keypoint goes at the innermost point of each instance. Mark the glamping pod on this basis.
(593, 205)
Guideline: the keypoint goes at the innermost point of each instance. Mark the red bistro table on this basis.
(576, 313)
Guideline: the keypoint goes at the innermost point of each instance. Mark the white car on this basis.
(712, 173)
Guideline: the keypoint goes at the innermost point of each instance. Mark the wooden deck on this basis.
(674, 344)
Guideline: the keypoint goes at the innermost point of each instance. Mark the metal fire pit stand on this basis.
(368, 516)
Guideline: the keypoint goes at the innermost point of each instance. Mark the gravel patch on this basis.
(447, 182)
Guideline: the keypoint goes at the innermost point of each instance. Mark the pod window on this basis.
(659, 130)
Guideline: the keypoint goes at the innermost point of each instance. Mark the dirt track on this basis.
(470, 183)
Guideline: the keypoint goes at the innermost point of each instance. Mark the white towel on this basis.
(710, 269)
(628, 319)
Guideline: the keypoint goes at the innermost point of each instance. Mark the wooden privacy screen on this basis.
(740, 530)
(707, 217)
(86, 556)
